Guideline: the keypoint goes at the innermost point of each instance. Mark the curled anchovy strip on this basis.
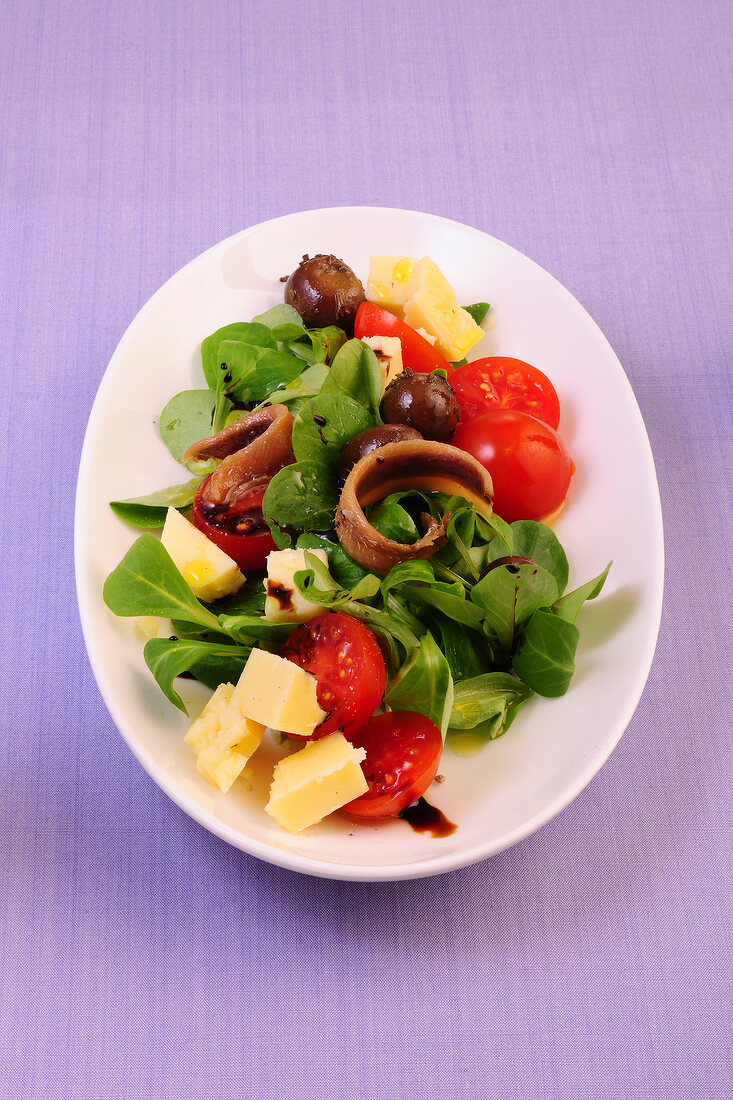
(410, 464)
(252, 449)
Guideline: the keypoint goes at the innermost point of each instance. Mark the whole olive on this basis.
(370, 440)
(325, 291)
(425, 402)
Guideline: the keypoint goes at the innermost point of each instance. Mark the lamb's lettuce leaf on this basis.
(151, 510)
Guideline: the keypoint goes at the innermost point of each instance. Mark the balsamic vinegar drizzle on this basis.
(424, 818)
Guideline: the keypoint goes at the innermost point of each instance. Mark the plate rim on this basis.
(312, 865)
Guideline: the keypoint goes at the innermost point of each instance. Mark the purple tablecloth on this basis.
(141, 957)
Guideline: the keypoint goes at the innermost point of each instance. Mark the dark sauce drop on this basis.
(249, 521)
(283, 595)
(424, 818)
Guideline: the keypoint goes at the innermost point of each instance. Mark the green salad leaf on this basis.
(146, 582)
(393, 521)
(281, 314)
(315, 345)
(509, 594)
(325, 424)
(424, 684)
(251, 628)
(481, 698)
(209, 662)
(307, 384)
(568, 606)
(255, 373)
(545, 655)
(406, 572)
(466, 652)
(389, 629)
(494, 527)
(356, 373)
(537, 542)
(316, 583)
(478, 311)
(187, 418)
(247, 600)
(300, 497)
(240, 332)
(341, 566)
(454, 607)
(151, 510)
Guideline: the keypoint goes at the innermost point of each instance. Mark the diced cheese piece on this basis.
(279, 694)
(427, 336)
(210, 572)
(223, 738)
(148, 626)
(432, 305)
(388, 350)
(389, 277)
(283, 602)
(315, 781)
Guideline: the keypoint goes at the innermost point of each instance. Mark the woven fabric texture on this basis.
(140, 956)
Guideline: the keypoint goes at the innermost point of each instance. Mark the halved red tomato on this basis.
(527, 460)
(417, 353)
(345, 658)
(239, 530)
(403, 751)
(498, 382)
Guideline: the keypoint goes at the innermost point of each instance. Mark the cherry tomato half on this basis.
(239, 531)
(346, 660)
(528, 463)
(417, 353)
(402, 756)
(501, 383)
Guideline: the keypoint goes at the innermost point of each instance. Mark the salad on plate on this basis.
(361, 560)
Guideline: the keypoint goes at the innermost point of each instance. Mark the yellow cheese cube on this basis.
(315, 781)
(432, 305)
(147, 627)
(279, 694)
(210, 572)
(389, 277)
(388, 350)
(283, 602)
(223, 738)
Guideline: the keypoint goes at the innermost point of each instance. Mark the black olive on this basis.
(425, 402)
(370, 440)
(325, 291)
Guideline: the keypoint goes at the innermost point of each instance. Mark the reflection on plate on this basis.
(513, 785)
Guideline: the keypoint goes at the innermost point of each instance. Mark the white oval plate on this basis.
(515, 784)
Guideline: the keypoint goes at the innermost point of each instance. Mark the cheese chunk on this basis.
(148, 626)
(388, 350)
(389, 277)
(433, 306)
(223, 738)
(315, 781)
(279, 694)
(283, 602)
(210, 572)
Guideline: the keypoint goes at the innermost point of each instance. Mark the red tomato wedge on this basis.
(402, 755)
(239, 531)
(417, 353)
(346, 660)
(527, 460)
(498, 382)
